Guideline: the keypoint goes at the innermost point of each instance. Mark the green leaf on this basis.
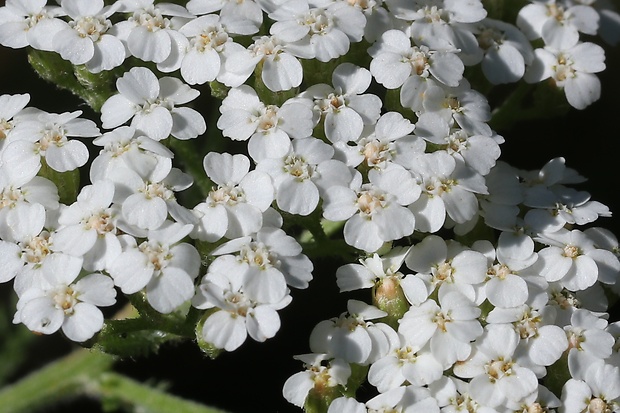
(68, 183)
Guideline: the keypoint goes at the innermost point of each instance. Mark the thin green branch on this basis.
(143, 398)
(60, 380)
(88, 373)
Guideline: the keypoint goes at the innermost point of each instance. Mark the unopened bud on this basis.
(388, 296)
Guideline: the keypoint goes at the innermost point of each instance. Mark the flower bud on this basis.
(388, 296)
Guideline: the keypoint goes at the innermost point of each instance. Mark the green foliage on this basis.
(68, 183)
(93, 88)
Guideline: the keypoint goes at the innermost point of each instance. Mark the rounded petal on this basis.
(85, 321)
(168, 291)
(224, 330)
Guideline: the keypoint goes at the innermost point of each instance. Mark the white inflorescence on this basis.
(361, 128)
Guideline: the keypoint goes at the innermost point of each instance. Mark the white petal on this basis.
(344, 125)
(149, 46)
(282, 72)
(116, 111)
(109, 53)
(96, 289)
(71, 46)
(509, 292)
(199, 68)
(582, 90)
(298, 197)
(156, 124)
(362, 234)
(224, 331)
(41, 315)
(83, 323)
(168, 291)
(297, 387)
(146, 213)
(139, 85)
(263, 323)
(131, 271)
(73, 154)
(504, 64)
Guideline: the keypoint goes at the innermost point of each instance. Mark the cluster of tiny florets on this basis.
(454, 325)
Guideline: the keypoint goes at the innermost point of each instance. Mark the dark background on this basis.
(251, 378)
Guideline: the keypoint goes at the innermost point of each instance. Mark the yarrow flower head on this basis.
(357, 139)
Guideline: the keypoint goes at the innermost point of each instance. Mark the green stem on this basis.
(511, 110)
(85, 372)
(122, 389)
(59, 380)
(192, 162)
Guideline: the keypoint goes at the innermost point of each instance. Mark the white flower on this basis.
(16, 189)
(346, 405)
(352, 337)
(371, 270)
(10, 106)
(151, 104)
(381, 146)
(439, 24)
(85, 39)
(29, 23)
(448, 187)
(447, 265)
(335, 373)
(396, 62)
(231, 10)
(500, 207)
(572, 259)
(320, 33)
(24, 244)
(614, 330)
(542, 341)
(448, 329)
(269, 128)
(162, 264)
(505, 51)
(271, 260)
(88, 227)
(375, 212)
(150, 35)
(599, 391)
(209, 47)
(405, 363)
(479, 152)
(307, 171)
(505, 285)
(235, 205)
(572, 69)
(404, 399)
(496, 376)
(153, 200)
(125, 152)
(557, 22)
(588, 341)
(46, 135)
(561, 206)
(461, 104)
(239, 315)
(344, 108)
(62, 301)
(279, 67)
(378, 19)
(542, 399)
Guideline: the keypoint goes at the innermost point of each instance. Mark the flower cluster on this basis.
(364, 138)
